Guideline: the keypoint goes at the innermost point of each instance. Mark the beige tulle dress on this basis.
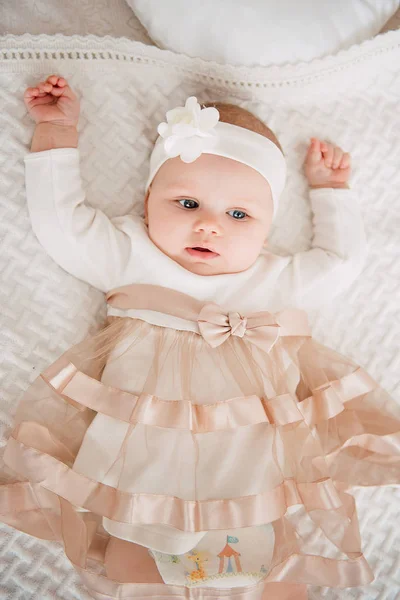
(202, 444)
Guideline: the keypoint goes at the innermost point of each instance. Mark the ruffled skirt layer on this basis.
(145, 425)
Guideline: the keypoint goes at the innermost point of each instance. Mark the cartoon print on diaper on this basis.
(225, 561)
(227, 553)
(162, 557)
(199, 557)
(243, 559)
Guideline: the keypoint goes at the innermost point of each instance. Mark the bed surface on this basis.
(37, 322)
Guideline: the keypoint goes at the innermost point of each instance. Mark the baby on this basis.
(212, 215)
(170, 445)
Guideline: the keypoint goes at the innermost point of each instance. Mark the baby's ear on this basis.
(146, 202)
(266, 240)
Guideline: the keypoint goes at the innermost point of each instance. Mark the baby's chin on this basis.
(204, 269)
(212, 267)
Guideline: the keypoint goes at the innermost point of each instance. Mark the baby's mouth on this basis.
(199, 252)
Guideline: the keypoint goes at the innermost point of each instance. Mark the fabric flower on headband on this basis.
(189, 129)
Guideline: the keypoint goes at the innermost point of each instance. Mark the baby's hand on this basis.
(52, 101)
(326, 165)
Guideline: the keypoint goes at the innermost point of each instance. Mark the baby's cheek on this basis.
(250, 239)
(158, 232)
(246, 247)
(161, 225)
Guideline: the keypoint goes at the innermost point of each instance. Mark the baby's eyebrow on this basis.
(177, 185)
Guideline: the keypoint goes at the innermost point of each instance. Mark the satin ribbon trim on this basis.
(188, 515)
(295, 569)
(216, 326)
(325, 403)
(214, 323)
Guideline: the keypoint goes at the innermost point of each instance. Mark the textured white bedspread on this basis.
(125, 88)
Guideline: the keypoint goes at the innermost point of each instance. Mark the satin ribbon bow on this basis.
(216, 327)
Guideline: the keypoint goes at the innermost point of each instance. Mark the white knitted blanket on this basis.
(125, 88)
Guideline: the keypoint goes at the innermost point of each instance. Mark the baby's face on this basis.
(211, 216)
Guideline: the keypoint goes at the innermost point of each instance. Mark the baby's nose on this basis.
(207, 225)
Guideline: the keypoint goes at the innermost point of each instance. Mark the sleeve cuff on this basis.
(322, 192)
(51, 152)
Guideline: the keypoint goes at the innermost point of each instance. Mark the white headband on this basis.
(190, 131)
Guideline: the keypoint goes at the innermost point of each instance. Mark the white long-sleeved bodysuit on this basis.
(109, 253)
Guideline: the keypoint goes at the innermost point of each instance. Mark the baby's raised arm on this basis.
(80, 238)
(339, 247)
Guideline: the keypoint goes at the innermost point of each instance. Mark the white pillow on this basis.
(261, 32)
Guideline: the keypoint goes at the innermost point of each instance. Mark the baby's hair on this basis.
(236, 115)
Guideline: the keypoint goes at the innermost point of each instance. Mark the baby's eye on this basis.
(237, 214)
(187, 203)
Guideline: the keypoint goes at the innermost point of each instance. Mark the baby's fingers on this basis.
(59, 85)
(56, 80)
(37, 92)
(337, 157)
(57, 91)
(345, 162)
(54, 85)
(314, 152)
(31, 93)
(62, 88)
(327, 153)
(44, 87)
